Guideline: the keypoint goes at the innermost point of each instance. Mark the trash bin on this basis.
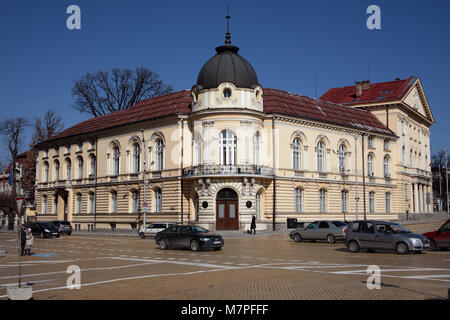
(291, 223)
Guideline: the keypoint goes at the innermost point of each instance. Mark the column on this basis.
(416, 198)
(421, 203)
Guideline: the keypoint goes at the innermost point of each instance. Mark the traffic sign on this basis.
(19, 204)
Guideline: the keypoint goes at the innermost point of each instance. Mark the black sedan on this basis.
(192, 237)
(44, 229)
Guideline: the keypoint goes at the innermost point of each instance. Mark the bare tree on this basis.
(11, 131)
(103, 92)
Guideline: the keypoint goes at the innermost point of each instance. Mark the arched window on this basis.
(113, 201)
(297, 154)
(92, 166)
(322, 201)
(342, 152)
(159, 152)
(256, 149)
(44, 204)
(158, 200)
(80, 168)
(56, 170)
(116, 164)
(298, 200)
(227, 148)
(386, 167)
(371, 202)
(370, 171)
(388, 202)
(320, 157)
(46, 171)
(134, 201)
(68, 169)
(136, 158)
(78, 208)
(344, 201)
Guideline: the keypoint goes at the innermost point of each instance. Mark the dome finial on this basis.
(228, 35)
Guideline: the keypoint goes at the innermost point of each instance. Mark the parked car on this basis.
(192, 237)
(44, 229)
(371, 235)
(63, 226)
(439, 238)
(153, 228)
(320, 230)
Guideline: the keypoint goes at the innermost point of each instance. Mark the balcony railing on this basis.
(227, 170)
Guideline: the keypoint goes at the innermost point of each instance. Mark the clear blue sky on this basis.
(287, 42)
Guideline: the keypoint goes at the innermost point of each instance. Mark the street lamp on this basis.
(446, 176)
(356, 176)
(145, 173)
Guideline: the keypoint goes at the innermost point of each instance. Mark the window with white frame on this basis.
(78, 207)
(116, 158)
(134, 201)
(159, 153)
(136, 158)
(344, 201)
(113, 201)
(387, 173)
(227, 147)
(370, 167)
(322, 201)
(157, 198)
(371, 202)
(320, 156)
(297, 154)
(388, 202)
(341, 155)
(298, 200)
(256, 149)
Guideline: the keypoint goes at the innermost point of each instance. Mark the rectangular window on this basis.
(91, 203)
(344, 201)
(44, 209)
(55, 204)
(221, 210)
(78, 203)
(232, 211)
(388, 202)
(113, 202)
(322, 201)
(298, 200)
(370, 142)
(371, 202)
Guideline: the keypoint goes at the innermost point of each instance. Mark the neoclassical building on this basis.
(228, 149)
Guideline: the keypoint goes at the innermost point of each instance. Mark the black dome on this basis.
(227, 66)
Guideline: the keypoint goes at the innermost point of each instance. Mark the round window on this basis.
(227, 93)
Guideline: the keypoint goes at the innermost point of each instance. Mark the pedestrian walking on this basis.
(29, 242)
(253, 225)
(23, 239)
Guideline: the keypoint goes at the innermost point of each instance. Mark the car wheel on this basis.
(69, 233)
(353, 246)
(142, 235)
(218, 248)
(163, 244)
(402, 248)
(418, 252)
(433, 246)
(298, 237)
(331, 238)
(194, 245)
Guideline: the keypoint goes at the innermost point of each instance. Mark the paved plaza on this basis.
(268, 266)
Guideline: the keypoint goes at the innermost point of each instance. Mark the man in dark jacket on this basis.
(253, 225)
(23, 239)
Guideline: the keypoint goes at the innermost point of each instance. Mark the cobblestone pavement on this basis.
(265, 267)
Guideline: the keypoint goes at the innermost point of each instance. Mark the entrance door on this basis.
(227, 215)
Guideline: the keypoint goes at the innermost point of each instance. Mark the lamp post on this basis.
(145, 171)
(356, 176)
(446, 176)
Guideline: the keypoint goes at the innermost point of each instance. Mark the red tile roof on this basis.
(275, 101)
(278, 101)
(24, 159)
(378, 92)
(169, 104)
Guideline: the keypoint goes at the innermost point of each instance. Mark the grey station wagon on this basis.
(371, 235)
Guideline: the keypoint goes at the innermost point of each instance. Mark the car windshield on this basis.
(339, 224)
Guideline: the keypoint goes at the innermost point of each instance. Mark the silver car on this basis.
(320, 230)
(153, 228)
(371, 235)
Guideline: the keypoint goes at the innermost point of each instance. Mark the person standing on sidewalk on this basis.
(253, 225)
(23, 239)
(29, 242)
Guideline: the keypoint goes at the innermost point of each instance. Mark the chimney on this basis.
(365, 84)
(358, 88)
(397, 79)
